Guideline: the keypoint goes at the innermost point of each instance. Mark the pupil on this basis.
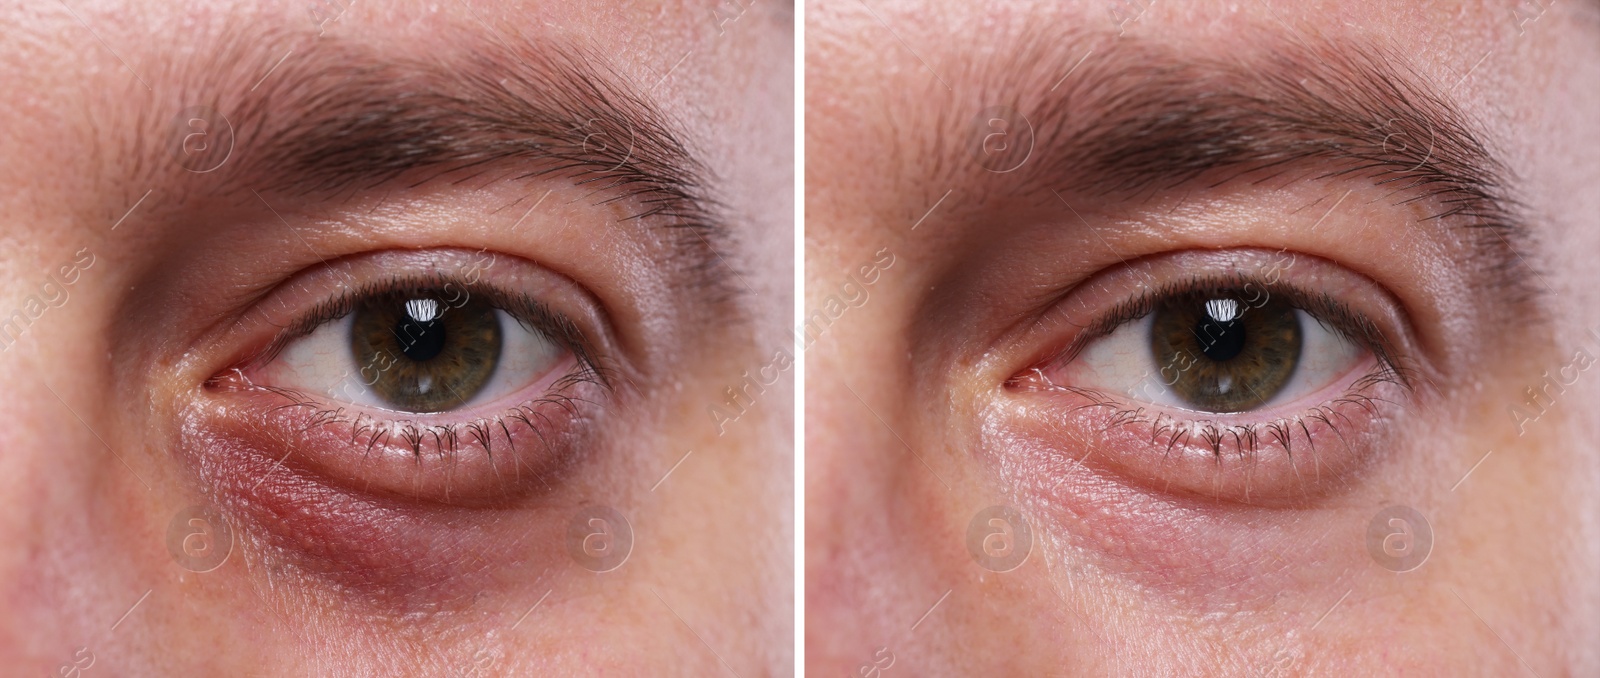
(421, 333)
(1221, 333)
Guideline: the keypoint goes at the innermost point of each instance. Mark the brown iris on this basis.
(1222, 354)
(422, 353)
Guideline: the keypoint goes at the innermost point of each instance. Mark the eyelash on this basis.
(1336, 315)
(447, 437)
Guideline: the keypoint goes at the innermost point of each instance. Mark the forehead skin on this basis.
(84, 79)
(880, 75)
(120, 48)
(888, 92)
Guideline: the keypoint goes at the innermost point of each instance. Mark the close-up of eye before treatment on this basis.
(382, 338)
(1220, 338)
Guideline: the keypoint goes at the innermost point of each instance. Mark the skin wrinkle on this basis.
(340, 118)
(1138, 118)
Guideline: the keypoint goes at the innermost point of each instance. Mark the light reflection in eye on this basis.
(422, 310)
(1222, 310)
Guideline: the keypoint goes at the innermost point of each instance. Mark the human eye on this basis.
(1213, 347)
(430, 376)
(418, 346)
(1226, 374)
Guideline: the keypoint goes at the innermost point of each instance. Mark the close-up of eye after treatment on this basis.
(391, 338)
(1158, 338)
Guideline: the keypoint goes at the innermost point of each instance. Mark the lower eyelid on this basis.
(487, 458)
(416, 524)
(392, 551)
(1202, 545)
(1270, 458)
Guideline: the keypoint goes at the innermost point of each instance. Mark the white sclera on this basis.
(1121, 363)
(322, 363)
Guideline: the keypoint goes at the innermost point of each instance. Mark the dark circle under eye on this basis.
(1222, 354)
(421, 353)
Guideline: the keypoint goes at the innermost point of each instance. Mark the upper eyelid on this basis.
(338, 120)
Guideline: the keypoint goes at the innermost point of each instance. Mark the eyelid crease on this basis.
(1140, 117)
(340, 117)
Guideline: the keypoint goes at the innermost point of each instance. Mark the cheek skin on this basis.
(1278, 459)
(1197, 554)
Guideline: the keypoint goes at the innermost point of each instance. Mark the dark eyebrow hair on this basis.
(1135, 118)
(336, 116)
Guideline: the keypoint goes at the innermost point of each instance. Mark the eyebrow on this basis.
(334, 117)
(1134, 118)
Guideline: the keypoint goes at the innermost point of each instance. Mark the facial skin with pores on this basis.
(374, 143)
(1035, 168)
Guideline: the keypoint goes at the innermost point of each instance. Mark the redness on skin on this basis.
(458, 461)
(403, 528)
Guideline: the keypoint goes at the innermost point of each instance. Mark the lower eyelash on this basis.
(1248, 439)
(448, 439)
